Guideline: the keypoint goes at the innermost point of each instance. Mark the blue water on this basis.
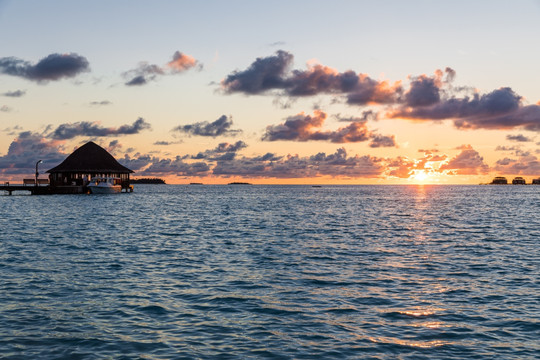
(284, 272)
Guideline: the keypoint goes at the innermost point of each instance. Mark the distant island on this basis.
(147, 181)
(239, 183)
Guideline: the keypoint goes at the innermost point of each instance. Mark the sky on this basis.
(286, 92)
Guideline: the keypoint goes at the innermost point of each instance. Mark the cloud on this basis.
(224, 151)
(26, 150)
(525, 165)
(499, 109)
(518, 138)
(51, 68)
(426, 90)
(301, 127)
(220, 127)
(16, 93)
(113, 147)
(273, 73)
(427, 98)
(100, 103)
(166, 143)
(262, 75)
(182, 62)
(176, 166)
(85, 128)
(467, 162)
(366, 116)
(382, 141)
(338, 164)
(429, 163)
(145, 72)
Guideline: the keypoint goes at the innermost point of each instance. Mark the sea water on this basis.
(278, 272)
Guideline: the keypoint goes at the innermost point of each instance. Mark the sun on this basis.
(420, 176)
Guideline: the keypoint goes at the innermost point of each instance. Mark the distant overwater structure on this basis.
(518, 180)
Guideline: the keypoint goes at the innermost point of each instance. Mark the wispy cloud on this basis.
(51, 68)
(16, 93)
(145, 72)
(519, 138)
(100, 103)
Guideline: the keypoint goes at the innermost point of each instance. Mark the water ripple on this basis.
(287, 272)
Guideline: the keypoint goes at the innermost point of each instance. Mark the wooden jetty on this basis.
(40, 188)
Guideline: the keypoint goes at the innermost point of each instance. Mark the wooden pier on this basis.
(43, 188)
(35, 189)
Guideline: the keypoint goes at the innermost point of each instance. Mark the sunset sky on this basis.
(344, 92)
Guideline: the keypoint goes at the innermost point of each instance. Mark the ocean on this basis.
(272, 272)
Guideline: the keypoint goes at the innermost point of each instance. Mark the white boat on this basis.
(105, 185)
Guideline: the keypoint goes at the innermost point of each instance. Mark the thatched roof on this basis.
(90, 158)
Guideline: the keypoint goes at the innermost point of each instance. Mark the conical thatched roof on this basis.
(90, 158)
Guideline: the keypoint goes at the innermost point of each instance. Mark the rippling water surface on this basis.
(288, 272)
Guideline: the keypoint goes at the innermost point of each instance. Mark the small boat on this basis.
(105, 185)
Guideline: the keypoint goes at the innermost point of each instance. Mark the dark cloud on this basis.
(382, 141)
(467, 162)
(52, 67)
(302, 127)
(506, 148)
(166, 143)
(16, 93)
(423, 91)
(426, 90)
(336, 165)
(137, 162)
(518, 138)
(220, 127)
(144, 72)
(224, 151)
(273, 73)
(499, 109)
(366, 116)
(113, 147)
(176, 166)
(26, 150)
(262, 75)
(85, 128)
(525, 164)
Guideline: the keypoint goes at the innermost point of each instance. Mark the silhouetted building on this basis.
(499, 180)
(518, 181)
(536, 181)
(88, 161)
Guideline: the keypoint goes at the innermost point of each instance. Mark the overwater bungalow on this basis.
(518, 181)
(499, 180)
(536, 181)
(87, 162)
